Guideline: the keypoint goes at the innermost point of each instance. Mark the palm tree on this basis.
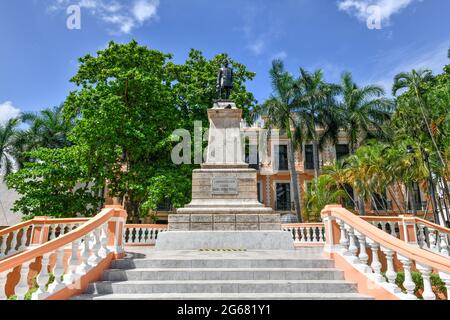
(278, 109)
(8, 136)
(316, 109)
(364, 110)
(414, 81)
(338, 171)
(323, 191)
(47, 129)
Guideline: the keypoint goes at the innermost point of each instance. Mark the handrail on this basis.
(16, 227)
(54, 244)
(432, 225)
(307, 224)
(152, 226)
(349, 236)
(69, 257)
(433, 260)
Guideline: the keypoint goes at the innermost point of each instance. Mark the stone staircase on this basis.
(242, 275)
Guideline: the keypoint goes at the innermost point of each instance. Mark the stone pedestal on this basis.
(224, 195)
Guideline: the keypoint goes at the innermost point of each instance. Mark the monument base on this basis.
(217, 240)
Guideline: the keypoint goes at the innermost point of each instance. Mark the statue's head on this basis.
(226, 63)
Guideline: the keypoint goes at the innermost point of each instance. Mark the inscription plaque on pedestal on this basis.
(224, 186)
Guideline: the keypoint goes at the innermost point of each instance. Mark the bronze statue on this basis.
(225, 81)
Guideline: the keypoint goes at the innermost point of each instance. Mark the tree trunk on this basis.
(294, 180)
(316, 160)
(361, 204)
(411, 199)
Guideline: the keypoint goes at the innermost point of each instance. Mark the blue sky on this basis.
(38, 53)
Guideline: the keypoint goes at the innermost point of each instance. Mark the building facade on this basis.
(274, 177)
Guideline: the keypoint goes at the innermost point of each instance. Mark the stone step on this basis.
(223, 286)
(222, 263)
(223, 274)
(225, 296)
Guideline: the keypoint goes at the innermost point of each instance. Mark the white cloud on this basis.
(359, 8)
(124, 16)
(8, 111)
(144, 9)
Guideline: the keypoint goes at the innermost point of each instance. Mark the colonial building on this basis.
(274, 179)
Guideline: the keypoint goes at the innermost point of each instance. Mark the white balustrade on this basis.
(70, 261)
(144, 234)
(306, 233)
(354, 241)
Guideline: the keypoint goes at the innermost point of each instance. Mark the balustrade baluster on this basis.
(427, 290)
(297, 235)
(84, 266)
(421, 235)
(308, 234)
(95, 258)
(352, 248)
(321, 232)
(3, 239)
(391, 275)
(72, 263)
(104, 251)
(363, 257)
(302, 234)
(62, 229)
(408, 284)
(133, 235)
(443, 244)
(23, 286)
(392, 228)
(58, 271)
(42, 279)
(52, 232)
(343, 241)
(432, 239)
(147, 236)
(23, 239)
(376, 264)
(12, 249)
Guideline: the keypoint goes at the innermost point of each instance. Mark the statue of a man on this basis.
(225, 81)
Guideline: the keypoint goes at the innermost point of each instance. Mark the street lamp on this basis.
(410, 150)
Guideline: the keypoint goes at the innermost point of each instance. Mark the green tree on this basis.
(364, 110)
(315, 110)
(415, 81)
(46, 129)
(56, 183)
(128, 101)
(279, 112)
(322, 192)
(8, 145)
